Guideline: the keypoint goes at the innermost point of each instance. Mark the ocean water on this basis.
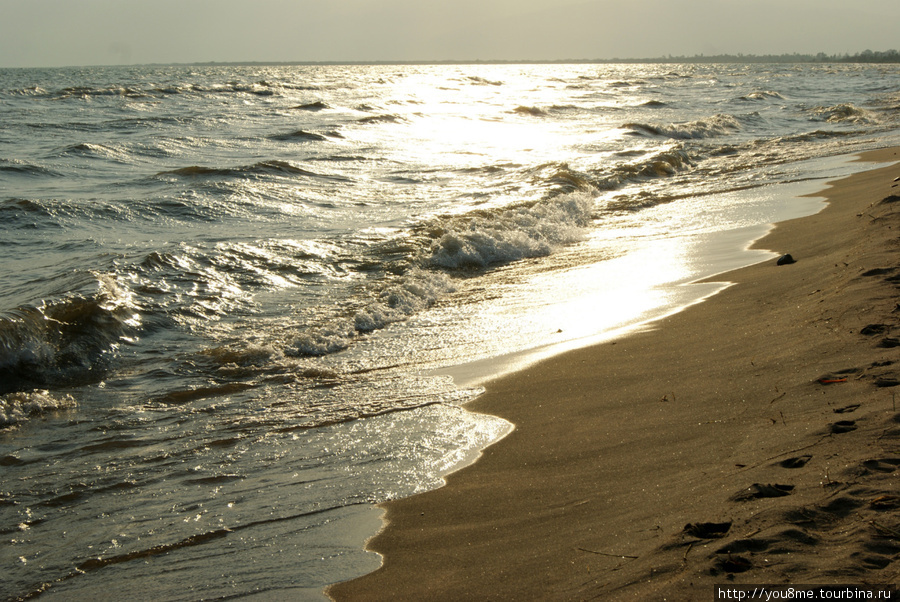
(240, 305)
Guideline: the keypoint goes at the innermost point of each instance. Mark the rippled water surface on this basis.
(231, 296)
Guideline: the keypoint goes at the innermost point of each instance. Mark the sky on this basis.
(54, 33)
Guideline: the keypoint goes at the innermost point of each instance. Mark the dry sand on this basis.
(769, 409)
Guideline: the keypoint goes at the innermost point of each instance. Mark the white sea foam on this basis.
(412, 293)
(512, 233)
(844, 113)
(18, 407)
(415, 292)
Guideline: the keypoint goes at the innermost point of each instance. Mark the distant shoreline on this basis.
(889, 56)
(865, 57)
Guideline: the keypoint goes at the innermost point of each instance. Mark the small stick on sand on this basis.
(605, 554)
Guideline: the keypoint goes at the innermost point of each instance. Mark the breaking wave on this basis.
(14, 166)
(312, 106)
(717, 125)
(300, 136)
(444, 246)
(393, 302)
(843, 113)
(18, 407)
(761, 95)
(263, 168)
(386, 118)
(532, 111)
(64, 342)
(662, 164)
(485, 238)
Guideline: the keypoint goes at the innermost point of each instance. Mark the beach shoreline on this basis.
(751, 438)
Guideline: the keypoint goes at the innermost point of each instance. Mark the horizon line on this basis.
(866, 56)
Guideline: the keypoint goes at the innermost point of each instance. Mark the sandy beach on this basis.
(752, 438)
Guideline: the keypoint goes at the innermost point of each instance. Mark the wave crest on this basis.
(312, 106)
(511, 233)
(761, 95)
(415, 291)
(717, 125)
(532, 111)
(263, 168)
(442, 246)
(64, 342)
(843, 113)
(18, 407)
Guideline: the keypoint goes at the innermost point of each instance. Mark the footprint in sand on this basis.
(840, 376)
(882, 464)
(872, 329)
(732, 564)
(843, 426)
(707, 530)
(760, 491)
(878, 272)
(798, 462)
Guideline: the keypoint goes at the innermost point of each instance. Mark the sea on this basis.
(241, 305)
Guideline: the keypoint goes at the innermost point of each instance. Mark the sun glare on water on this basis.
(476, 122)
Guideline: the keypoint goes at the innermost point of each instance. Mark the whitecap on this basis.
(18, 407)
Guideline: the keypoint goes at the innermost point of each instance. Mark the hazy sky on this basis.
(43, 33)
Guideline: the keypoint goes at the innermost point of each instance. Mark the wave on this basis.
(665, 163)
(533, 111)
(259, 88)
(887, 102)
(87, 92)
(64, 342)
(312, 106)
(298, 136)
(27, 91)
(263, 168)
(27, 214)
(561, 178)
(480, 81)
(492, 237)
(18, 407)
(386, 118)
(810, 136)
(843, 113)
(395, 301)
(199, 284)
(17, 167)
(761, 95)
(35, 214)
(169, 90)
(304, 136)
(625, 84)
(540, 112)
(102, 151)
(717, 125)
(439, 249)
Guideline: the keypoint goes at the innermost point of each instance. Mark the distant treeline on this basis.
(867, 56)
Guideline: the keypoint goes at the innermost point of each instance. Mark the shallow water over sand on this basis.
(232, 296)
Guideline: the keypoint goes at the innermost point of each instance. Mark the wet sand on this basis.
(753, 438)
